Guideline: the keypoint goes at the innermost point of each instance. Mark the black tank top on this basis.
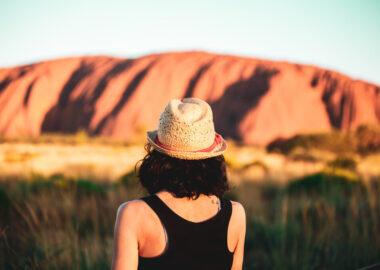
(191, 245)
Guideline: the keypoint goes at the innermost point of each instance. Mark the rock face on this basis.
(255, 101)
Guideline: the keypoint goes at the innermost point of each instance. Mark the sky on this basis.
(342, 35)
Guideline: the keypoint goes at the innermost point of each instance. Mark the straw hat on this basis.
(186, 131)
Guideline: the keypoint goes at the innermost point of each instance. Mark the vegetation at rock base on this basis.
(365, 139)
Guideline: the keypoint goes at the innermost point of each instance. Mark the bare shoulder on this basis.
(238, 226)
(131, 212)
(238, 212)
(132, 205)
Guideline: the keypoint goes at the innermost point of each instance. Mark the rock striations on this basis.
(253, 100)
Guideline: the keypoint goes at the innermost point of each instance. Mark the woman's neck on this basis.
(199, 201)
(168, 194)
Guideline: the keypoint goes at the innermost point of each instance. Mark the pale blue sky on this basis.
(340, 35)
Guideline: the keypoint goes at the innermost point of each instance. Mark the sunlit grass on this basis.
(14, 157)
(77, 138)
(314, 205)
(314, 222)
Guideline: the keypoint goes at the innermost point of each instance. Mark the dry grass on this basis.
(83, 160)
(61, 223)
(311, 208)
(107, 161)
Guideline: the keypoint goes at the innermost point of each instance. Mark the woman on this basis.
(184, 223)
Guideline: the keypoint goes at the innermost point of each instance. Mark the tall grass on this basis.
(59, 223)
(322, 221)
(329, 220)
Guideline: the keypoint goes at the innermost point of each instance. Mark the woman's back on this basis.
(188, 244)
(184, 159)
(140, 234)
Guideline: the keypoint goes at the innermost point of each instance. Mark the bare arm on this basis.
(239, 250)
(125, 238)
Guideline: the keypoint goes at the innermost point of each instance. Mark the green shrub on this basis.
(307, 157)
(231, 194)
(334, 141)
(368, 138)
(365, 139)
(256, 163)
(330, 184)
(344, 163)
(129, 180)
(34, 187)
(88, 187)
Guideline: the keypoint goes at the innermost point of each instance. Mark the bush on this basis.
(330, 184)
(129, 180)
(364, 140)
(256, 163)
(368, 139)
(87, 187)
(344, 163)
(306, 157)
(334, 141)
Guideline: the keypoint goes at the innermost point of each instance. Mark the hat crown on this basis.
(186, 125)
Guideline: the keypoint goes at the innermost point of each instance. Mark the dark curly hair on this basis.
(183, 178)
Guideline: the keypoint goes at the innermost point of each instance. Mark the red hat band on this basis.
(217, 140)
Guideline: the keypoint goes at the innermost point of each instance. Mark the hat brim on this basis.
(218, 150)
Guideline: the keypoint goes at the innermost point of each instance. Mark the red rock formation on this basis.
(253, 100)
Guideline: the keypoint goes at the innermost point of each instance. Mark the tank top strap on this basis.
(227, 208)
(226, 217)
(166, 216)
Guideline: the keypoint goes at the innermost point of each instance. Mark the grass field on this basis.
(328, 220)
(312, 201)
